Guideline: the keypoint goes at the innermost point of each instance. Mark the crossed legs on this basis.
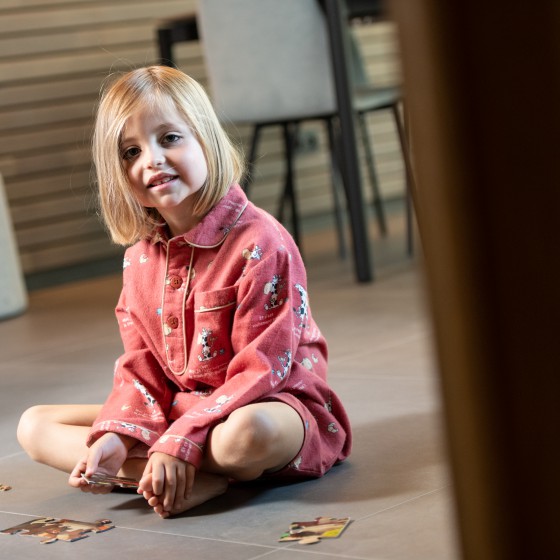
(257, 438)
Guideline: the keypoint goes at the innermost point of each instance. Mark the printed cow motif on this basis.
(274, 287)
(286, 362)
(206, 340)
(255, 253)
(302, 311)
(332, 428)
(150, 401)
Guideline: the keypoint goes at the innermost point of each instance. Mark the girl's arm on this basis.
(140, 399)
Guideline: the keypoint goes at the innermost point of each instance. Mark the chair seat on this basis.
(374, 98)
(366, 98)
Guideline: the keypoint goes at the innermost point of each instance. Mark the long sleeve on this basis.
(139, 402)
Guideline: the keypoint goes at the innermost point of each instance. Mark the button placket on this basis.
(173, 308)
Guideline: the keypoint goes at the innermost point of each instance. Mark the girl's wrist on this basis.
(127, 441)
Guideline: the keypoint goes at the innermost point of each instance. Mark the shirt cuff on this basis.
(142, 434)
(181, 447)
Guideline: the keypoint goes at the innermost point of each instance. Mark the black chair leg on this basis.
(289, 195)
(410, 184)
(338, 186)
(370, 163)
(248, 179)
(165, 43)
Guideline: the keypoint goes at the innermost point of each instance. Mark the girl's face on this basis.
(165, 164)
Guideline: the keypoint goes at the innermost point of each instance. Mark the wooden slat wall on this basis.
(54, 57)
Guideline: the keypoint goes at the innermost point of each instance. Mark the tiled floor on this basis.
(395, 486)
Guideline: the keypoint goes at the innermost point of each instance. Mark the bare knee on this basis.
(30, 426)
(246, 440)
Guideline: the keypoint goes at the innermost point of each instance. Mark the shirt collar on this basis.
(215, 226)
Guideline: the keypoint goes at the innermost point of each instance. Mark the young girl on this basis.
(223, 375)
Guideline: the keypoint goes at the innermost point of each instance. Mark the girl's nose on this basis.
(154, 157)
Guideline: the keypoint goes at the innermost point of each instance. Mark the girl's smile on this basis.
(165, 164)
(161, 179)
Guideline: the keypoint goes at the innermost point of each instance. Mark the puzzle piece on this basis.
(311, 532)
(309, 540)
(51, 530)
(4, 488)
(106, 480)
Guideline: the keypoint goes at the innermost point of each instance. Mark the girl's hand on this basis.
(167, 483)
(105, 456)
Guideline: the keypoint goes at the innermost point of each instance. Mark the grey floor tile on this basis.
(27, 383)
(410, 356)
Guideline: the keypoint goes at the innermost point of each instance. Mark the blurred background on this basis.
(54, 58)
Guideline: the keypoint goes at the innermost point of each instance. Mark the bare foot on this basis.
(206, 486)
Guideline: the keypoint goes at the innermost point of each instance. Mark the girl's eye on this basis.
(130, 153)
(171, 138)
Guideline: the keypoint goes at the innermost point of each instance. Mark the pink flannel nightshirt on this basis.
(213, 320)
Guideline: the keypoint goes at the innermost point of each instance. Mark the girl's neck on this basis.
(182, 226)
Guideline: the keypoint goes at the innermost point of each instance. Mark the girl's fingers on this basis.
(93, 458)
(145, 484)
(190, 472)
(75, 478)
(158, 479)
(180, 490)
(170, 488)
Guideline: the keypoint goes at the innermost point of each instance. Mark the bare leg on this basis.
(55, 435)
(257, 438)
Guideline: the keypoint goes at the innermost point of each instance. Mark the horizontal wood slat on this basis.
(51, 89)
(75, 39)
(31, 4)
(54, 16)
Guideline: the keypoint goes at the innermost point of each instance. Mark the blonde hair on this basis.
(155, 86)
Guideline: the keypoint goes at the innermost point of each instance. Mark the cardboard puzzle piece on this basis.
(311, 532)
(106, 480)
(51, 530)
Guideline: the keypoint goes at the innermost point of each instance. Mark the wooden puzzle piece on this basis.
(51, 530)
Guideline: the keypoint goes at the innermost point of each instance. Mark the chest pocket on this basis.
(211, 348)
